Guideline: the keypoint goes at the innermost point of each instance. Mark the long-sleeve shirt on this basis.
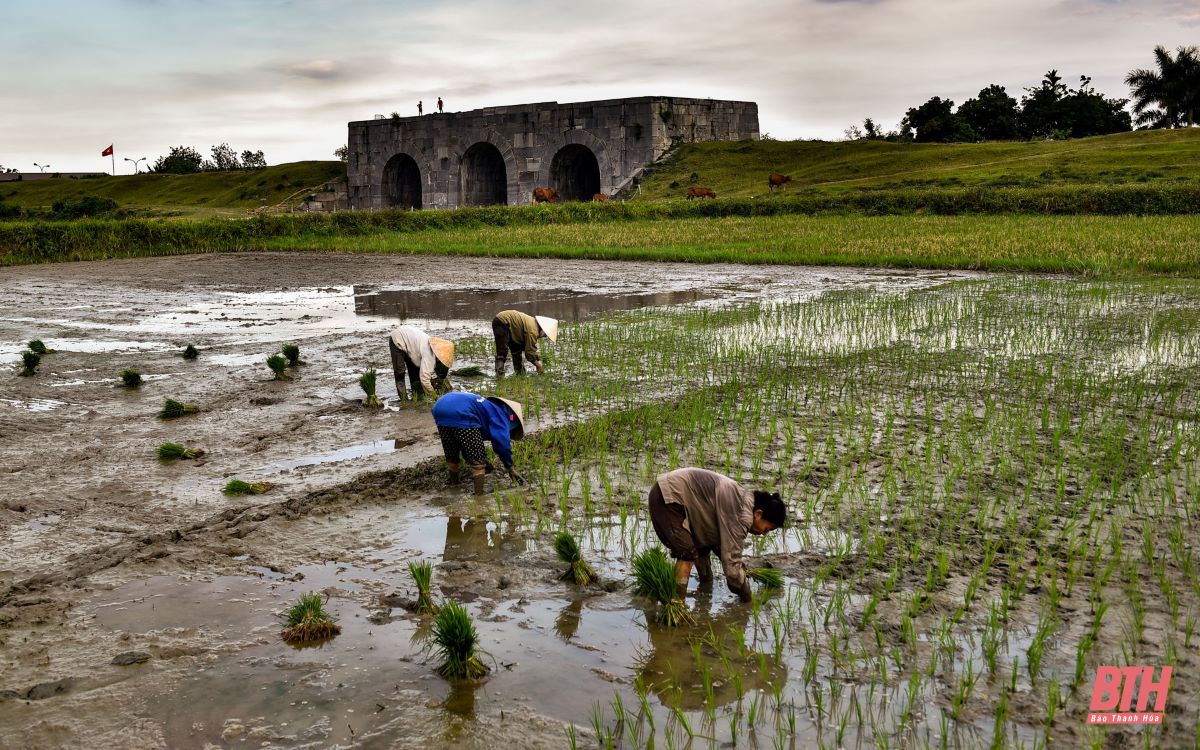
(415, 343)
(466, 410)
(524, 331)
(719, 515)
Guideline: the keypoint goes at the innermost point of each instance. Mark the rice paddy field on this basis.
(992, 483)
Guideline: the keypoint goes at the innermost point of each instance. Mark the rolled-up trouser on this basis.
(668, 521)
(402, 362)
(505, 346)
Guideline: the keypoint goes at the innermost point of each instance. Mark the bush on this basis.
(88, 205)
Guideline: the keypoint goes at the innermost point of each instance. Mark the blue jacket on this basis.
(467, 410)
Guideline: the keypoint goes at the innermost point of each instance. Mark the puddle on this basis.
(472, 304)
(33, 404)
(345, 454)
(47, 521)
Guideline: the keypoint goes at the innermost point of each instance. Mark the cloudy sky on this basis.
(286, 76)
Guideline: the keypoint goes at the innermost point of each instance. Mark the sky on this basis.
(285, 76)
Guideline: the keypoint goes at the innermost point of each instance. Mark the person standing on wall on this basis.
(517, 333)
(420, 108)
(439, 105)
(426, 359)
(465, 420)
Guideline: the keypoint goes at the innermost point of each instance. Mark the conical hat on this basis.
(549, 326)
(443, 350)
(520, 433)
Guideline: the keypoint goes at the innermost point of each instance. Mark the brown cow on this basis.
(778, 180)
(700, 192)
(545, 195)
(600, 198)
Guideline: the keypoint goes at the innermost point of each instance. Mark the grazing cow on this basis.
(545, 195)
(778, 180)
(700, 192)
(600, 198)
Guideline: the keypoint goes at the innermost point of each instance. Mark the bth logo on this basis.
(1112, 696)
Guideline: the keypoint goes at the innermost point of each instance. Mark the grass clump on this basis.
(173, 409)
(131, 378)
(422, 573)
(279, 365)
(37, 347)
(29, 362)
(366, 381)
(654, 577)
(567, 550)
(472, 371)
(307, 621)
(238, 487)
(170, 451)
(292, 352)
(190, 352)
(457, 643)
(770, 578)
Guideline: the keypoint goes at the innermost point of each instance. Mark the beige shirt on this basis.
(415, 343)
(719, 514)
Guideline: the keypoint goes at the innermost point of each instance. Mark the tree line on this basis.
(1165, 97)
(187, 160)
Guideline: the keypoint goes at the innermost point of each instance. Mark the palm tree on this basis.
(1170, 96)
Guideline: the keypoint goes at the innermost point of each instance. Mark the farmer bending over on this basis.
(465, 420)
(696, 512)
(427, 360)
(518, 333)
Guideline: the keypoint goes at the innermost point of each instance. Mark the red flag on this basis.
(107, 152)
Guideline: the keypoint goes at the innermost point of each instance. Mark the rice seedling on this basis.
(131, 378)
(422, 575)
(567, 549)
(173, 409)
(457, 643)
(654, 577)
(171, 451)
(279, 366)
(37, 347)
(29, 362)
(770, 578)
(366, 381)
(307, 621)
(470, 371)
(292, 352)
(190, 352)
(239, 487)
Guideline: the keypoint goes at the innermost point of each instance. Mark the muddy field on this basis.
(139, 605)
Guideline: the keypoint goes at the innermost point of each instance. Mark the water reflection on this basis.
(446, 305)
(479, 538)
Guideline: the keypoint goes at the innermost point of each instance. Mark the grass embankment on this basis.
(230, 193)
(740, 169)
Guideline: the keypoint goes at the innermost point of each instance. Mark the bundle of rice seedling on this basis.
(29, 362)
(366, 381)
(169, 451)
(567, 550)
(37, 347)
(279, 365)
(308, 621)
(173, 409)
(292, 352)
(457, 643)
(131, 378)
(238, 487)
(191, 352)
(472, 371)
(422, 573)
(770, 578)
(654, 576)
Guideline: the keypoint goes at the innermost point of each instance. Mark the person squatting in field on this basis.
(427, 359)
(465, 420)
(696, 512)
(517, 333)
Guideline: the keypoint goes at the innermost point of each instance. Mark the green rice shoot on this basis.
(471, 371)
(422, 574)
(240, 487)
(29, 362)
(457, 643)
(654, 577)
(279, 365)
(191, 352)
(131, 378)
(366, 381)
(37, 347)
(567, 550)
(770, 578)
(171, 451)
(308, 621)
(292, 352)
(173, 409)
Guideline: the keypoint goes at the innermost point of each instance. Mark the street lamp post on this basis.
(42, 167)
(135, 163)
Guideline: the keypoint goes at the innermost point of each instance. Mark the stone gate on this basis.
(499, 155)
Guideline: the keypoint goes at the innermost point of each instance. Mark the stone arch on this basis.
(503, 187)
(575, 173)
(401, 186)
(555, 145)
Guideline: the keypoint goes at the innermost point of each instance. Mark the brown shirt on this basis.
(523, 329)
(719, 515)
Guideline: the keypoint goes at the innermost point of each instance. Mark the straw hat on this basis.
(443, 350)
(516, 410)
(548, 325)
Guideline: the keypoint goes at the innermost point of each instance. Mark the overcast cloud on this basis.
(287, 75)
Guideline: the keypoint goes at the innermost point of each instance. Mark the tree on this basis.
(1040, 108)
(180, 160)
(992, 115)
(342, 153)
(871, 130)
(1170, 96)
(853, 133)
(1084, 112)
(224, 157)
(935, 122)
(253, 159)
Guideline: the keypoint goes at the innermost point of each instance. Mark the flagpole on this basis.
(114, 161)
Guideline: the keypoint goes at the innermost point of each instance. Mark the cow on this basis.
(600, 198)
(545, 195)
(700, 191)
(777, 181)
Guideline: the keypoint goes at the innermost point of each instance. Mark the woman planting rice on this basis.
(465, 420)
(697, 512)
(517, 333)
(427, 360)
